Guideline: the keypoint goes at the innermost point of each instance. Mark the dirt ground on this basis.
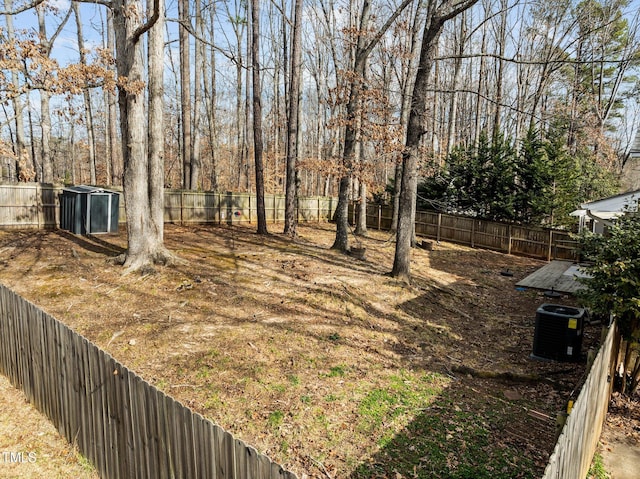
(620, 441)
(319, 359)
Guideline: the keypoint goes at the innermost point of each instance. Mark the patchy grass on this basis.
(597, 469)
(318, 359)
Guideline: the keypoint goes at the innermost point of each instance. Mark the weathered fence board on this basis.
(577, 443)
(513, 239)
(123, 425)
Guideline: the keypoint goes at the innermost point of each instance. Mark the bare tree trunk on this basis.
(210, 93)
(457, 69)
(156, 126)
(479, 97)
(502, 39)
(45, 97)
(185, 92)
(19, 149)
(195, 161)
(88, 111)
(257, 116)
(361, 225)
(115, 149)
(246, 164)
(415, 130)
(145, 242)
(293, 123)
(405, 108)
(362, 51)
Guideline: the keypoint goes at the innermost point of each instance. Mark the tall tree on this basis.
(156, 124)
(141, 176)
(196, 160)
(19, 150)
(406, 83)
(437, 16)
(211, 96)
(86, 94)
(364, 47)
(257, 115)
(112, 138)
(293, 123)
(45, 96)
(185, 90)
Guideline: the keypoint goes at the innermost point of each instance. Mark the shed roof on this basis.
(85, 189)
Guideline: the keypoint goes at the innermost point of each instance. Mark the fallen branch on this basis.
(504, 376)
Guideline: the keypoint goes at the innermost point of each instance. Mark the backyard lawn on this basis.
(318, 359)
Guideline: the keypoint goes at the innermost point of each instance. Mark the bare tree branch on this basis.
(147, 26)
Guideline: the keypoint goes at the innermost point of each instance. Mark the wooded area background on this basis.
(503, 67)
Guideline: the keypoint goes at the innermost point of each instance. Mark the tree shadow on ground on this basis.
(499, 426)
(92, 243)
(467, 432)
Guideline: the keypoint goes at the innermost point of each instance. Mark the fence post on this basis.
(439, 224)
(318, 209)
(473, 233)
(509, 238)
(379, 217)
(181, 207)
(39, 205)
(550, 245)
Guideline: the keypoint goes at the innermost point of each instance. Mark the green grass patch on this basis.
(404, 394)
(597, 469)
(337, 371)
(275, 419)
(439, 440)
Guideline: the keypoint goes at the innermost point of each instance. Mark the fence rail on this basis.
(126, 427)
(520, 240)
(577, 443)
(36, 205)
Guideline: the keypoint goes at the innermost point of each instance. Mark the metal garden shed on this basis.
(89, 210)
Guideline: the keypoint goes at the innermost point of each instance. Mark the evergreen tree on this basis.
(499, 191)
(534, 200)
(614, 286)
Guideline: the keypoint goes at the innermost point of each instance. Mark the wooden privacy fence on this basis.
(512, 239)
(36, 205)
(185, 206)
(123, 425)
(577, 443)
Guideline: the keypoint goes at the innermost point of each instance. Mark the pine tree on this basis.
(534, 189)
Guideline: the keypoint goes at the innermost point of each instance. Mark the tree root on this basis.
(145, 264)
(507, 376)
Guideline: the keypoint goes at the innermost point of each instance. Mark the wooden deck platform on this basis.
(557, 275)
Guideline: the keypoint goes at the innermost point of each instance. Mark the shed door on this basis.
(99, 214)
